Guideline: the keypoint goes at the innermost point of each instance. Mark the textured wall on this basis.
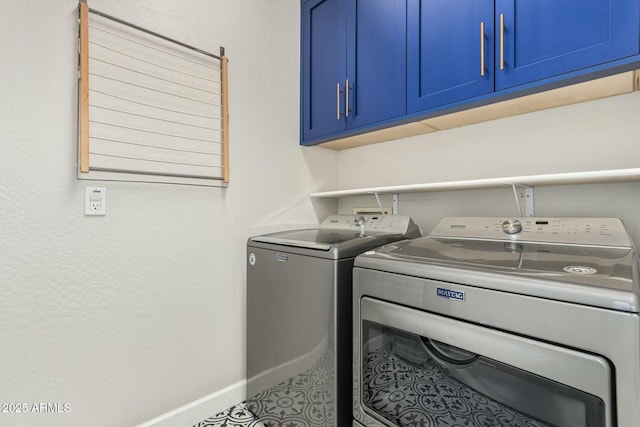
(595, 135)
(131, 315)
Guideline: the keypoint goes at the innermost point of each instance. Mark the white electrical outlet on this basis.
(95, 201)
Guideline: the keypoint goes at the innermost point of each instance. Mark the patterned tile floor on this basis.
(304, 400)
(237, 416)
(407, 391)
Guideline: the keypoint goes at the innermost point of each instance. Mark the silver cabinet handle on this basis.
(346, 102)
(338, 91)
(482, 36)
(501, 41)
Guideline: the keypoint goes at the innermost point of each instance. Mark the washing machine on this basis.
(499, 322)
(299, 289)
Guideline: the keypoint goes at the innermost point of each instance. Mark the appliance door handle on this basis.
(589, 373)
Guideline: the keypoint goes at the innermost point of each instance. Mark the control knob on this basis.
(512, 226)
(361, 222)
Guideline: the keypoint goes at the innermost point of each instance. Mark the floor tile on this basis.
(236, 416)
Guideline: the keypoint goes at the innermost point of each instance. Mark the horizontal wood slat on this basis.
(153, 107)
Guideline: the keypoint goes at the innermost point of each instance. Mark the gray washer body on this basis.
(299, 317)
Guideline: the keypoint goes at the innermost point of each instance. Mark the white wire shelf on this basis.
(602, 176)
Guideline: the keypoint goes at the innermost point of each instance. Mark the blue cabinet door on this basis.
(449, 58)
(324, 67)
(376, 60)
(544, 38)
(353, 64)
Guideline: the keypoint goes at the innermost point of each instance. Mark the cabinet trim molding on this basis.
(616, 84)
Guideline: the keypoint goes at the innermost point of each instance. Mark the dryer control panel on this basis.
(577, 231)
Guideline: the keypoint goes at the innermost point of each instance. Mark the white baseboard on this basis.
(207, 406)
(201, 409)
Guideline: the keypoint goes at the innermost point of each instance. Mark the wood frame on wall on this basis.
(224, 77)
(83, 108)
(84, 133)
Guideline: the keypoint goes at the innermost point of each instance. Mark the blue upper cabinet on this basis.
(353, 64)
(376, 60)
(545, 38)
(450, 51)
(324, 67)
(371, 64)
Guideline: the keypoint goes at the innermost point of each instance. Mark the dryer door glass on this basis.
(414, 378)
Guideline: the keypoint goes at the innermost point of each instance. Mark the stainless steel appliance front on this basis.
(534, 328)
(299, 317)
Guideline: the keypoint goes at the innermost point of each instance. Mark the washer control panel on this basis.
(579, 231)
(393, 224)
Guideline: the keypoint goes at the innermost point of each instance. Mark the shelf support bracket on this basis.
(379, 204)
(529, 202)
(394, 205)
(524, 192)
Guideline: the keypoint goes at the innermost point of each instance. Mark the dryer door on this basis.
(418, 368)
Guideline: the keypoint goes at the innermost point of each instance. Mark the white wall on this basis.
(595, 135)
(600, 134)
(131, 315)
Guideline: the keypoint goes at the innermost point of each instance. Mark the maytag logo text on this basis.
(450, 294)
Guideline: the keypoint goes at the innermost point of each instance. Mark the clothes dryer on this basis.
(495, 321)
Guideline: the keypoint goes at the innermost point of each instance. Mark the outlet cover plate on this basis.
(95, 201)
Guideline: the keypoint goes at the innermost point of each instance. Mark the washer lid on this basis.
(321, 239)
(591, 275)
(346, 235)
